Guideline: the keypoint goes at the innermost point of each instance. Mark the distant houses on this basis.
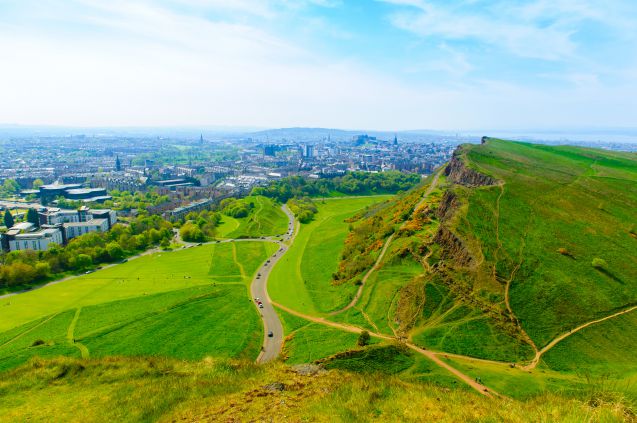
(56, 226)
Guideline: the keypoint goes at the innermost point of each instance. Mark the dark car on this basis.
(270, 334)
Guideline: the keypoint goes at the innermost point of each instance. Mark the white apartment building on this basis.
(75, 229)
(39, 240)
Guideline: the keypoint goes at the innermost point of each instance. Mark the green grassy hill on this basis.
(515, 256)
(265, 219)
(187, 304)
(154, 389)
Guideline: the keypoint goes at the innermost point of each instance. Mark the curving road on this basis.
(259, 289)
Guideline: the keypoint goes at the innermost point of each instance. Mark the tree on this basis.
(10, 186)
(8, 219)
(191, 233)
(114, 250)
(83, 261)
(38, 183)
(32, 216)
(363, 339)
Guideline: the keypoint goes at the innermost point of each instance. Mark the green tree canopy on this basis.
(8, 219)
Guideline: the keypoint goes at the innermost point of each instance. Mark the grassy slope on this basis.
(582, 200)
(147, 389)
(266, 219)
(145, 306)
(302, 279)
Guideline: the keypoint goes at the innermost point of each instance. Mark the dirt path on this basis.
(376, 265)
(560, 338)
(70, 334)
(429, 354)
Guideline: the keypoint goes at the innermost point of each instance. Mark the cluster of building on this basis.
(198, 171)
(76, 192)
(56, 226)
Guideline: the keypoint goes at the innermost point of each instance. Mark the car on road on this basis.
(270, 334)
(260, 305)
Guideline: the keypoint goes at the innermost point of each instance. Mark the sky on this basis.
(358, 64)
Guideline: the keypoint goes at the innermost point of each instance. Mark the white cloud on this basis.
(140, 64)
(539, 29)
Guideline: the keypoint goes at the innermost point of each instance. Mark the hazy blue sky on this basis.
(386, 64)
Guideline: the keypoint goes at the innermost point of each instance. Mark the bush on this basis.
(599, 263)
(363, 339)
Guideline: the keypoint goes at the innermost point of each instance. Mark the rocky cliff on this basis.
(459, 173)
(453, 248)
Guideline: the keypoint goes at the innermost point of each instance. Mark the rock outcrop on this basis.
(448, 205)
(452, 247)
(459, 173)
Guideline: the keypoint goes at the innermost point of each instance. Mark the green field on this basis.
(188, 304)
(301, 280)
(265, 219)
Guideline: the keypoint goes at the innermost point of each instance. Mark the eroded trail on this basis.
(429, 354)
(565, 335)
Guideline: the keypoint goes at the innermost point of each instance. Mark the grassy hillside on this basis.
(152, 389)
(302, 279)
(557, 232)
(187, 304)
(265, 219)
(516, 248)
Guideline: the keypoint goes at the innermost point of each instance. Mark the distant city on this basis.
(57, 175)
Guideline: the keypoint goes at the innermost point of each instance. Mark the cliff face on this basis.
(448, 205)
(453, 248)
(458, 173)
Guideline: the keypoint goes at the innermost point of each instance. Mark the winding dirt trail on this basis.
(433, 356)
(388, 242)
(565, 335)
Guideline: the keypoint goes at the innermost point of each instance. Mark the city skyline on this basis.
(383, 65)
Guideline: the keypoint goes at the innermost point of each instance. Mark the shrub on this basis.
(599, 263)
(363, 339)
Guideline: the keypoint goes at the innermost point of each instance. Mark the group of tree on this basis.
(126, 200)
(303, 208)
(200, 227)
(30, 267)
(352, 183)
(9, 188)
(236, 207)
(9, 220)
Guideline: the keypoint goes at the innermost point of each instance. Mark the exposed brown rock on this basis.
(453, 248)
(458, 172)
(448, 205)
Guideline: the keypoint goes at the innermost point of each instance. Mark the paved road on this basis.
(259, 289)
